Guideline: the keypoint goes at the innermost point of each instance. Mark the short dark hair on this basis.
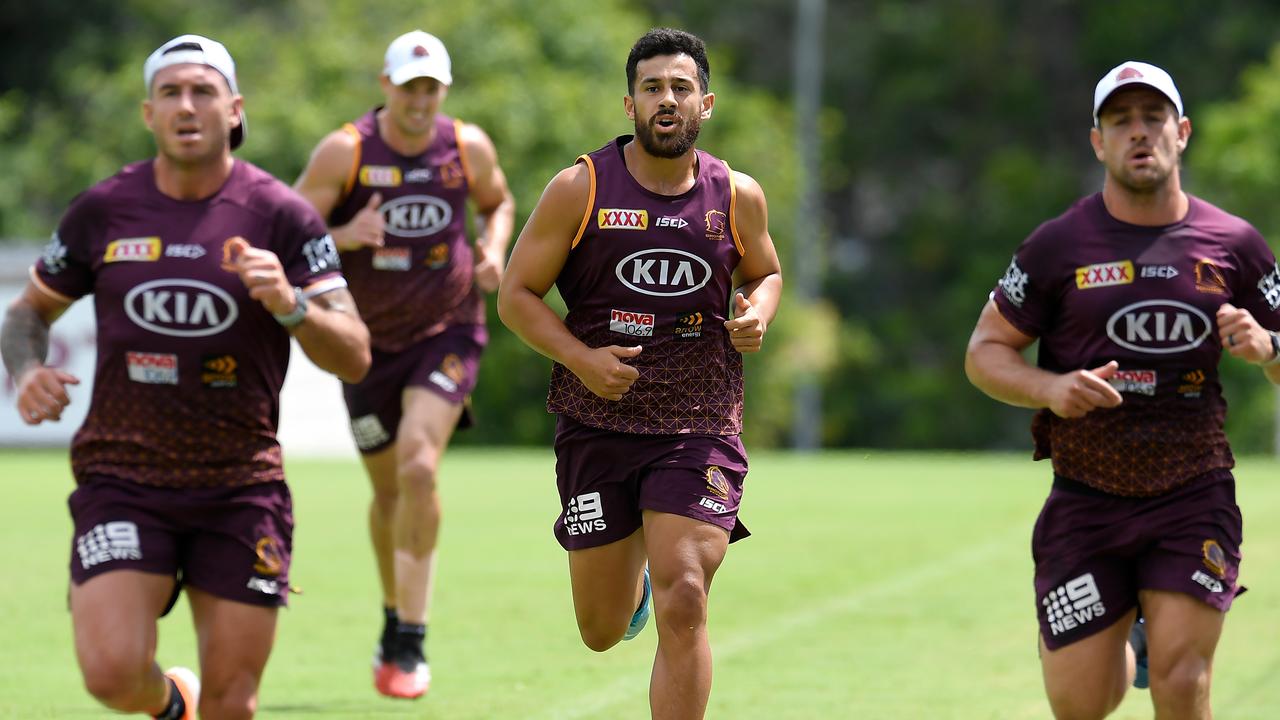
(669, 41)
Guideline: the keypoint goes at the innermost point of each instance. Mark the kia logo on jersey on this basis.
(416, 215)
(1159, 327)
(663, 272)
(181, 307)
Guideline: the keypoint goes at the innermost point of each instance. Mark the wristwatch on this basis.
(1275, 350)
(295, 318)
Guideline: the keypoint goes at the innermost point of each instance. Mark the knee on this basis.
(1181, 680)
(682, 604)
(418, 474)
(114, 681)
(231, 700)
(600, 636)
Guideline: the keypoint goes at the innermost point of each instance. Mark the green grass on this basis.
(876, 586)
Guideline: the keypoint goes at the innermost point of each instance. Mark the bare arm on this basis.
(759, 274)
(331, 333)
(334, 337)
(1244, 338)
(539, 255)
(324, 182)
(995, 365)
(495, 207)
(24, 343)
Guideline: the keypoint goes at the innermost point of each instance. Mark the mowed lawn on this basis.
(876, 585)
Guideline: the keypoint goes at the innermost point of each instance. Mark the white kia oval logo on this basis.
(1159, 327)
(416, 215)
(181, 308)
(663, 272)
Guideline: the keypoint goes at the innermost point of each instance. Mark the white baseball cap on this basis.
(1132, 72)
(197, 50)
(417, 54)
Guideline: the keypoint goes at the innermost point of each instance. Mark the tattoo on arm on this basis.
(24, 339)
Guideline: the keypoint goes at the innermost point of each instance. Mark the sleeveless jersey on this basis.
(656, 271)
(186, 391)
(420, 281)
(1095, 289)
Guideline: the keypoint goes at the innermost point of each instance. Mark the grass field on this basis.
(876, 586)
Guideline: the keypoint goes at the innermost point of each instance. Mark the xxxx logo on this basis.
(616, 219)
(1104, 274)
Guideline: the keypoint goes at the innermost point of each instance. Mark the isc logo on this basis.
(672, 222)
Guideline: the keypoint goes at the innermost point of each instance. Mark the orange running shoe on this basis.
(188, 686)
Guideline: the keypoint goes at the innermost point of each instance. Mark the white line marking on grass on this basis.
(632, 690)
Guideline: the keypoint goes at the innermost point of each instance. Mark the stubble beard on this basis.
(672, 146)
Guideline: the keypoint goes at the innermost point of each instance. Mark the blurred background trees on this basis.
(948, 132)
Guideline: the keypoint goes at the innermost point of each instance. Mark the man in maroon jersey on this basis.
(647, 240)
(201, 267)
(1133, 293)
(394, 187)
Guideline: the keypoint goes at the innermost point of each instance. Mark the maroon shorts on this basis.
(447, 364)
(232, 542)
(606, 479)
(1094, 552)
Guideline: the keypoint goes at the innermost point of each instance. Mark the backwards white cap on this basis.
(1132, 72)
(197, 50)
(417, 54)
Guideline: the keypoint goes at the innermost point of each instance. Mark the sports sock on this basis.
(177, 706)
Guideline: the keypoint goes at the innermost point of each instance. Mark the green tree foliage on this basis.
(545, 79)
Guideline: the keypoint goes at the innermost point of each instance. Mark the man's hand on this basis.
(363, 230)
(746, 329)
(1242, 336)
(260, 271)
(42, 394)
(1075, 394)
(488, 272)
(604, 373)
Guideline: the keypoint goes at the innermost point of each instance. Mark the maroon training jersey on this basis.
(420, 281)
(1095, 289)
(656, 271)
(186, 391)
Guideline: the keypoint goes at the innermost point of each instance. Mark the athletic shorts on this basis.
(606, 479)
(446, 364)
(1094, 551)
(232, 542)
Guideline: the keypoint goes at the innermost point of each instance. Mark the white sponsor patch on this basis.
(264, 586)
(1073, 604)
(1211, 583)
(1014, 283)
(322, 254)
(152, 368)
(672, 222)
(629, 322)
(180, 307)
(416, 215)
(584, 514)
(445, 382)
(1141, 382)
(663, 272)
(190, 251)
(1269, 286)
(418, 175)
(109, 541)
(397, 259)
(1159, 327)
(368, 432)
(1166, 272)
